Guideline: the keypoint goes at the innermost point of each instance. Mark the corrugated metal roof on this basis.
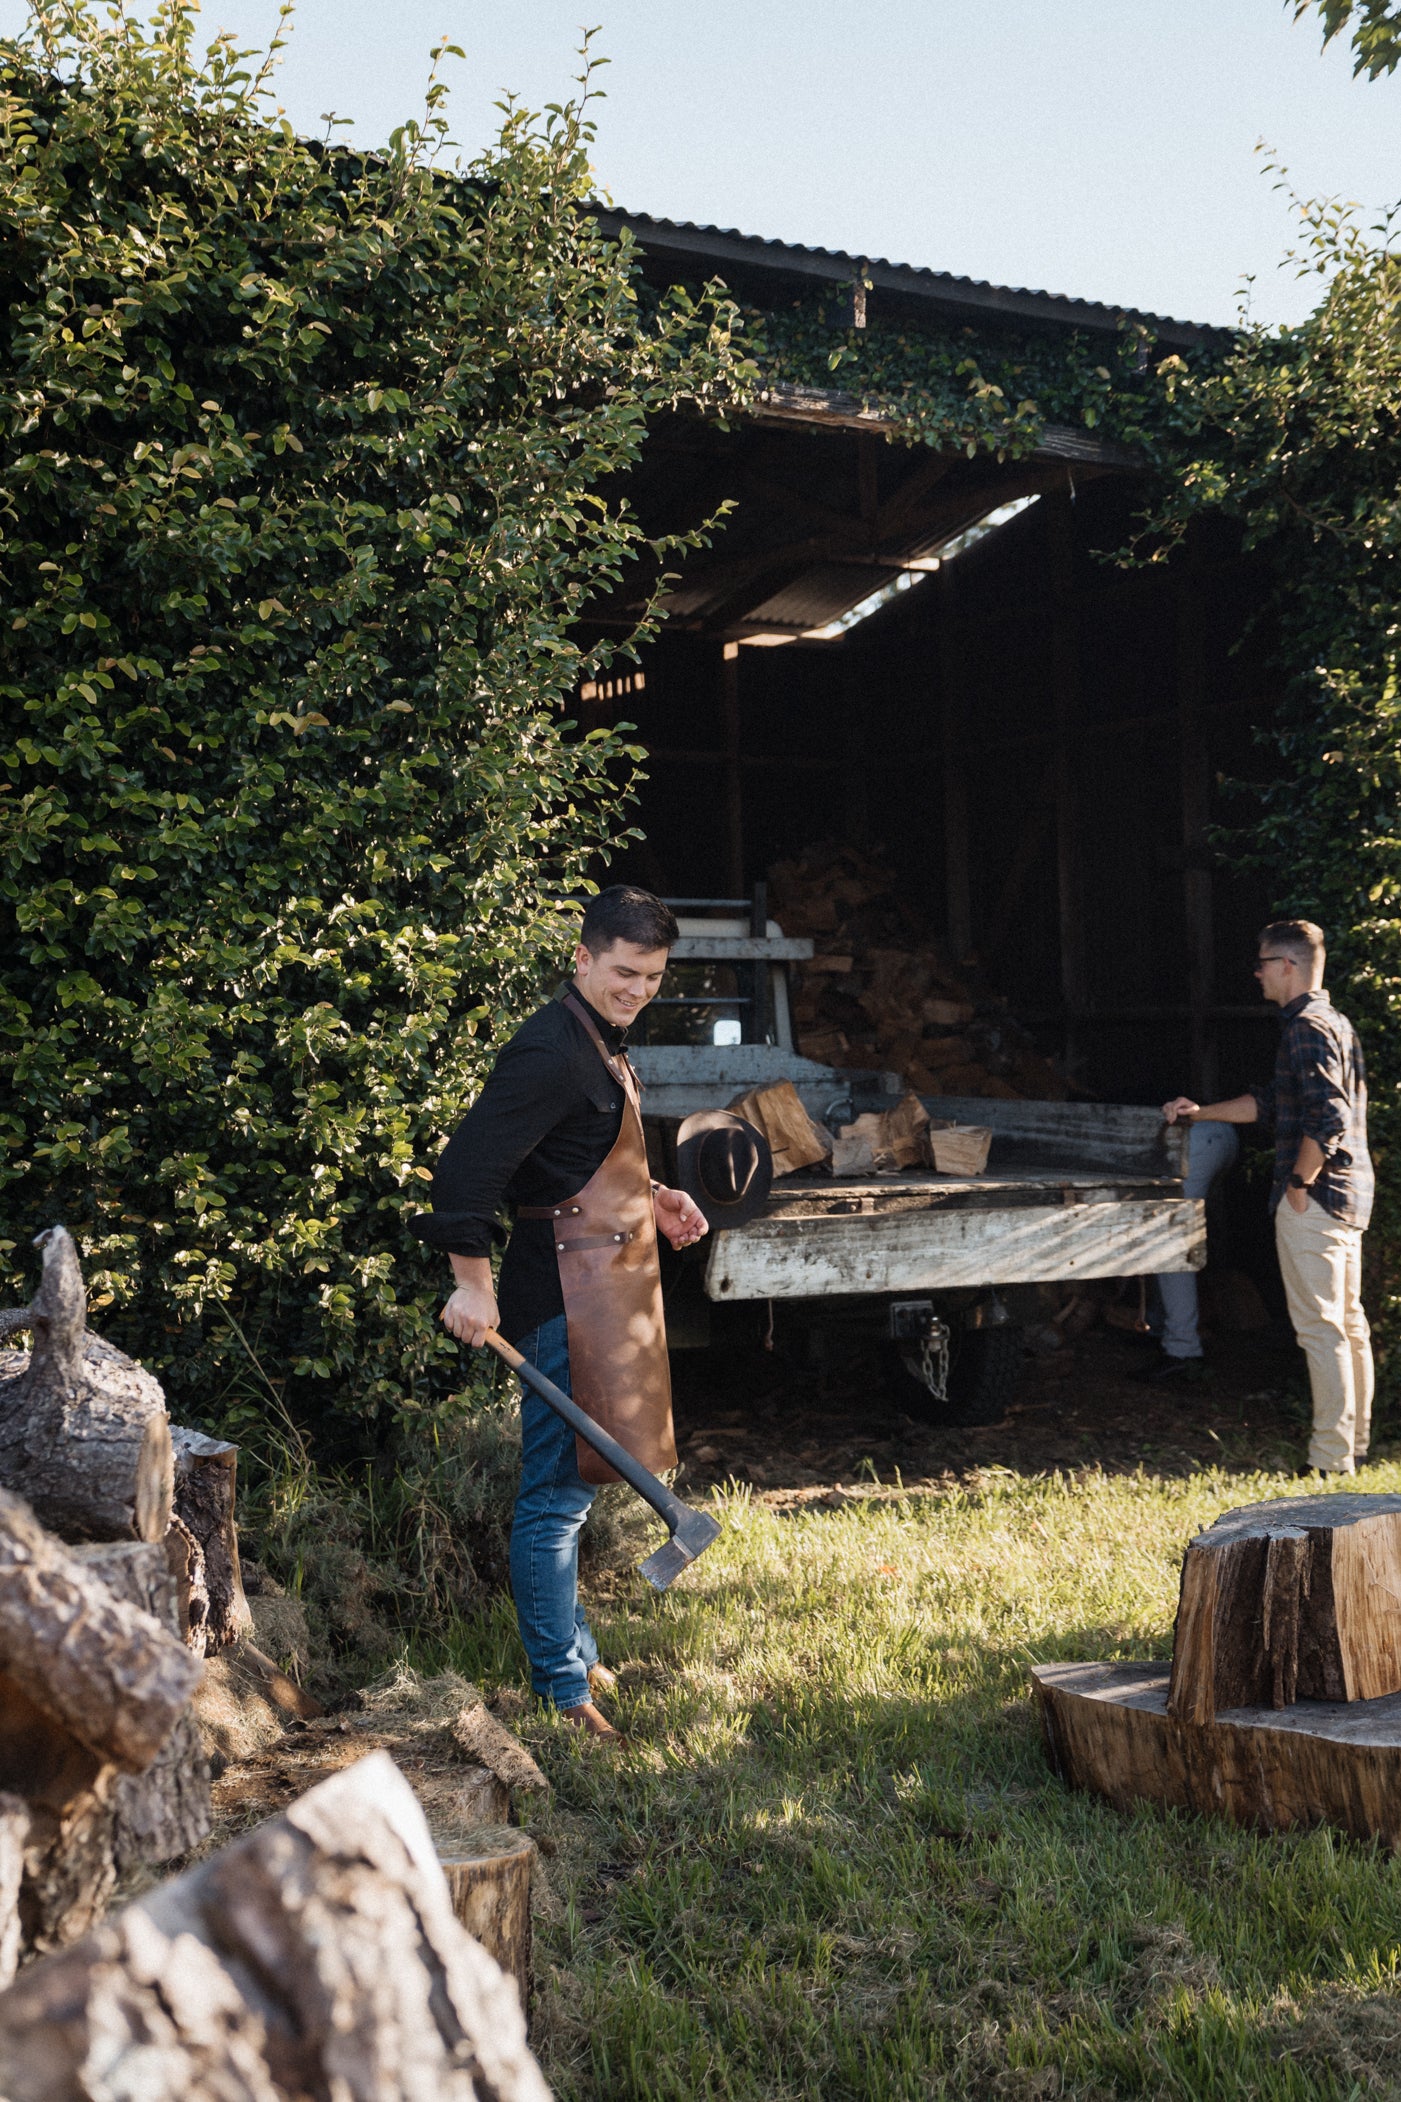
(972, 296)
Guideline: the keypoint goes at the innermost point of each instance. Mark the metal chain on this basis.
(934, 1360)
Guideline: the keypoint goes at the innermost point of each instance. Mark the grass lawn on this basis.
(835, 1864)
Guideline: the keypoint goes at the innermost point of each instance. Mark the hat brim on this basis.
(719, 1215)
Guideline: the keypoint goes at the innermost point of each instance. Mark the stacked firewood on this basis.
(880, 993)
(325, 1952)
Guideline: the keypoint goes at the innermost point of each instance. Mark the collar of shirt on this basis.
(615, 1038)
(1296, 1007)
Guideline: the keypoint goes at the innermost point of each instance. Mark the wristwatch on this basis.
(1296, 1182)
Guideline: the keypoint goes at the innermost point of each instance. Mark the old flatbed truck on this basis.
(936, 1273)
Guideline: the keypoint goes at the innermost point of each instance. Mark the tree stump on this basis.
(1109, 1729)
(317, 1955)
(206, 1472)
(488, 1880)
(1298, 1599)
(84, 1436)
(14, 1830)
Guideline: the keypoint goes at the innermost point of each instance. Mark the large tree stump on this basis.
(14, 1830)
(163, 1812)
(84, 1436)
(317, 1955)
(1109, 1729)
(489, 1880)
(1298, 1599)
(217, 1613)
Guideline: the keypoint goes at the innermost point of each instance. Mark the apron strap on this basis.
(616, 1062)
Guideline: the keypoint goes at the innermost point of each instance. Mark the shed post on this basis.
(1196, 810)
(1065, 698)
(734, 778)
(957, 886)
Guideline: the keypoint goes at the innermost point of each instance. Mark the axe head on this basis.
(690, 1537)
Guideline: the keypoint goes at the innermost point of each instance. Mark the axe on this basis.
(691, 1531)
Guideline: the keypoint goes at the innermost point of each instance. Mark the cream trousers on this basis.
(1321, 1263)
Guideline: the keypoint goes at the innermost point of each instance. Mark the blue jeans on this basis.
(551, 1506)
(1211, 1148)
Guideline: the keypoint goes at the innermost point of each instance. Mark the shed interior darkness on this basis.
(1035, 737)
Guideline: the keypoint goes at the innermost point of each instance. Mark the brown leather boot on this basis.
(601, 1679)
(587, 1718)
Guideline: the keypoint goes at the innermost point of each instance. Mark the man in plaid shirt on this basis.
(1322, 1192)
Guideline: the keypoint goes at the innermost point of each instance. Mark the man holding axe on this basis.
(556, 1134)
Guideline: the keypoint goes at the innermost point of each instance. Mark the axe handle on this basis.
(621, 1461)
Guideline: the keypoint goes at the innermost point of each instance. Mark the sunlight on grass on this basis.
(834, 1863)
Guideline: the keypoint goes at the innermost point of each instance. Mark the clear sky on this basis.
(1098, 147)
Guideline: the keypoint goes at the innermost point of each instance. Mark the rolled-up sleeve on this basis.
(1323, 1085)
(521, 1101)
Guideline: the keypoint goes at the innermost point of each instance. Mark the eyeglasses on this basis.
(1262, 961)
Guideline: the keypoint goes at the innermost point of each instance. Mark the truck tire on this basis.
(984, 1371)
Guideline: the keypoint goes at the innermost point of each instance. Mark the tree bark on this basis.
(489, 1883)
(316, 1955)
(205, 1486)
(162, 1813)
(14, 1830)
(1291, 1600)
(110, 1674)
(84, 1436)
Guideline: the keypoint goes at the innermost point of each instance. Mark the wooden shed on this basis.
(936, 654)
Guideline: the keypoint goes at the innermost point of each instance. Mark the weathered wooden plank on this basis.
(932, 1251)
(829, 1197)
(1103, 1134)
(1107, 1730)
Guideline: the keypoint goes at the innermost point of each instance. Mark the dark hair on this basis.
(623, 913)
(1297, 938)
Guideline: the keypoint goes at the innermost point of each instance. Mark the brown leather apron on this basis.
(606, 1248)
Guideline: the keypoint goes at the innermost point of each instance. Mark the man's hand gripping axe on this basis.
(691, 1531)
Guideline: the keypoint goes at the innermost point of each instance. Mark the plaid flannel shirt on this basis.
(1319, 1092)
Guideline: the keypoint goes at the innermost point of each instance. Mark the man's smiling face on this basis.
(619, 981)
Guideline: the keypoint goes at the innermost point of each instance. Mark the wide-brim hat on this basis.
(725, 1166)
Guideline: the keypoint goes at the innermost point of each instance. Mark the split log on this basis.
(14, 1830)
(1297, 1599)
(316, 1955)
(492, 1745)
(205, 1485)
(1108, 1729)
(162, 1813)
(184, 1561)
(107, 1671)
(794, 1140)
(84, 1436)
(489, 1884)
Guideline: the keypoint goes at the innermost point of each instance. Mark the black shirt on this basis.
(1320, 1092)
(546, 1120)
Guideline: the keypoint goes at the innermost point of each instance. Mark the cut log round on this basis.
(489, 1883)
(110, 1674)
(162, 1813)
(1297, 1599)
(206, 1471)
(1108, 1729)
(316, 1955)
(84, 1436)
(14, 1830)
